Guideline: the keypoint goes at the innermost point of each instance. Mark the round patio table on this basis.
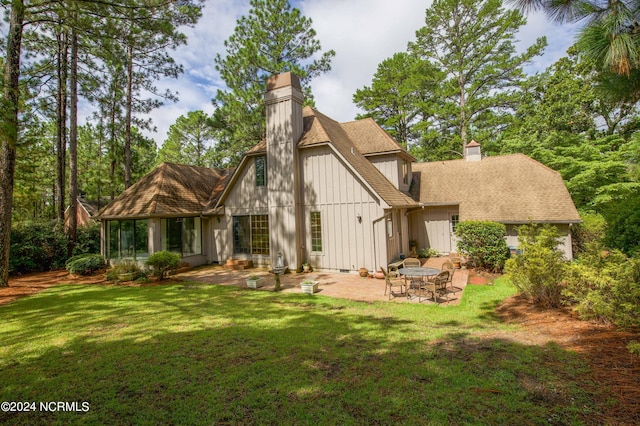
(414, 272)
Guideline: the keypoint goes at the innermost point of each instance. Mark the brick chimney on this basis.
(283, 102)
(472, 151)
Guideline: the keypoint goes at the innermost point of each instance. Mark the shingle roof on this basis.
(370, 139)
(169, 190)
(322, 129)
(508, 189)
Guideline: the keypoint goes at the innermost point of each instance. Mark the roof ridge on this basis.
(162, 169)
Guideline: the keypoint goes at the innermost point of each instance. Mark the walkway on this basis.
(333, 284)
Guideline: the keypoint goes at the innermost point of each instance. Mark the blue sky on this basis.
(362, 32)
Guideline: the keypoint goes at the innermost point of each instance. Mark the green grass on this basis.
(204, 354)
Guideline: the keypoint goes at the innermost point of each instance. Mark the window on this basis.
(405, 172)
(316, 232)
(182, 235)
(261, 170)
(454, 222)
(389, 226)
(251, 234)
(127, 239)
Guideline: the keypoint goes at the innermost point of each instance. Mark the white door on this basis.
(454, 218)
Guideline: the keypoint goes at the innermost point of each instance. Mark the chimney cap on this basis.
(473, 143)
(283, 80)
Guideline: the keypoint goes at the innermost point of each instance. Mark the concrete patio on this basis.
(342, 285)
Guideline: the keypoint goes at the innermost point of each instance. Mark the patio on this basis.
(333, 284)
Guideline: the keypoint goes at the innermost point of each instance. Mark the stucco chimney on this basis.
(283, 102)
(472, 151)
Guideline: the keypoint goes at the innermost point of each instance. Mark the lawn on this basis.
(195, 353)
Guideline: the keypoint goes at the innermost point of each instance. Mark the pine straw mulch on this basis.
(613, 368)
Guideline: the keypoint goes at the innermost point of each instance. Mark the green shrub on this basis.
(592, 230)
(124, 266)
(88, 240)
(85, 264)
(428, 252)
(539, 271)
(484, 242)
(605, 285)
(623, 224)
(37, 247)
(162, 262)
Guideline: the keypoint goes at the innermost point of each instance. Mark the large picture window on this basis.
(182, 235)
(251, 234)
(127, 239)
(316, 232)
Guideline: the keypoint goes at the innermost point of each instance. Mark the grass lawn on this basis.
(203, 354)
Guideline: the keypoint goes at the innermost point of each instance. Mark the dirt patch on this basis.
(614, 371)
(25, 285)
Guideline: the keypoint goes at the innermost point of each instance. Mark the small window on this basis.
(389, 227)
(261, 170)
(454, 222)
(405, 172)
(316, 232)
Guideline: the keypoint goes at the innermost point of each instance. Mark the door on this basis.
(454, 218)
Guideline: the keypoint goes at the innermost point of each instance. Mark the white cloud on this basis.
(362, 32)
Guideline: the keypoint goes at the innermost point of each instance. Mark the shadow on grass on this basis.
(202, 355)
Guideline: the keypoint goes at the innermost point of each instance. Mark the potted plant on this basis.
(254, 281)
(306, 267)
(364, 272)
(309, 286)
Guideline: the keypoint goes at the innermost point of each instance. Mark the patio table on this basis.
(417, 272)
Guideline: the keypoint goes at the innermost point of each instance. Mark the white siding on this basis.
(563, 230)
(431, 227)
(391, 167)
(332, 189)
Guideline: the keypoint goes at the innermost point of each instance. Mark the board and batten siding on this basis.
(330, 187)
(431, 227)
(391, 167)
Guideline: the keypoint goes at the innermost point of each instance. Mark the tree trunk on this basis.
(73, 146)
(9, 132)
(127, 124)
(61, 146)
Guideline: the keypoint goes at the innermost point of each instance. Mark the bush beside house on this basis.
(484, 242)
(162, 262)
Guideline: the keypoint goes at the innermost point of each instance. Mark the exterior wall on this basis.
(565, 238)
(431, 227)
(245, 198)
(391, 167)
(328, 186)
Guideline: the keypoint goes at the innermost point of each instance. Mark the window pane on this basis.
(316, 232)
(142, 238)
(261, 172)
(260, 234)
(113, 235)
(174, 235)
(241, 235)
(127, 242)
(191, 236)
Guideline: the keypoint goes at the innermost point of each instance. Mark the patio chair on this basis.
(440, 283)
(390, 283)
(448, 266)
(410, 261)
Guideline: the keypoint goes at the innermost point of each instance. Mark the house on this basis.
(338, 195)
(85, 213)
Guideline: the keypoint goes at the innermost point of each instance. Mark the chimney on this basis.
(283, 102)
(472, 151)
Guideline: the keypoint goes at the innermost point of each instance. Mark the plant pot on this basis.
(254, 283)
(364, 272)
(306, 268)
(309, 287)
(128, 276)
(379, 275)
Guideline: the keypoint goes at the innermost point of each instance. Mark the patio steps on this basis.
(238, 264)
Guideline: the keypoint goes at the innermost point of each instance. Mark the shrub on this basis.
(162, 262)
(428, 252)
(85, 264)
(539, 271)
(592, 230)
(623, 224)
(88, 240)
(605, 285)
(484, 242)
(37, 247)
